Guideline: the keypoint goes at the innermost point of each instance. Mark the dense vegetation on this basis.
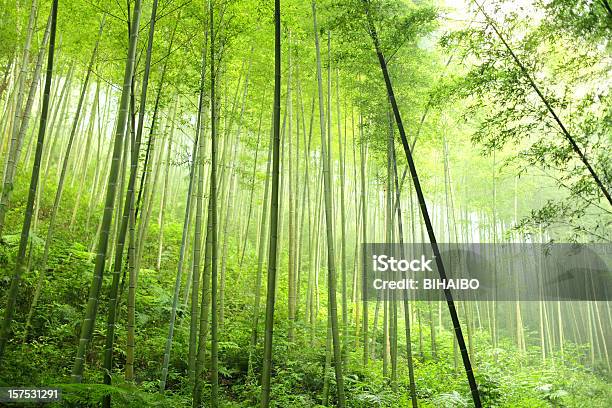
(187, 185)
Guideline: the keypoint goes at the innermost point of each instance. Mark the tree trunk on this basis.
(423, 206)
(197, 241)
(364, 287)
(342, 151)
(273, 237)
(197, 332)
(331, 267)
(25, 231)
(122, 121)
(214, 340)
(204, 309)
(406, 302)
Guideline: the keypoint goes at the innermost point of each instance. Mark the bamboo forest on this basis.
(198, 198)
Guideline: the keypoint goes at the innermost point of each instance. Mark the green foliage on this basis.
(451, 400)
(481, 105)
(569, 65)
(506, 383)
(125, 394)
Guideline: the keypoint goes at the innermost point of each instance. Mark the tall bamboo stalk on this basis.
(214, 339)
(273, 237)
(120, 132)
(331, 267)
(424, 212)
(25, 231)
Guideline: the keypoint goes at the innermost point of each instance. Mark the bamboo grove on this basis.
(187, 186)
